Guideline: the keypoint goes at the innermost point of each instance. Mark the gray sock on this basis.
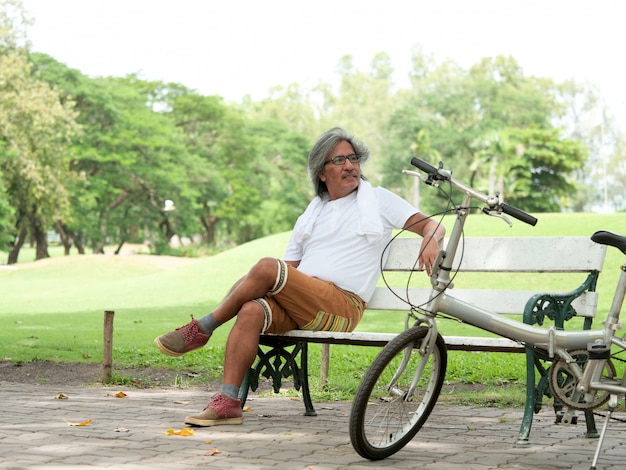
(208, 324)
(231, 391)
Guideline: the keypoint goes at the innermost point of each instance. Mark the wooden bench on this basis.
(287, 355)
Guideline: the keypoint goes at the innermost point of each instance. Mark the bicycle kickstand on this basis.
(612, 406)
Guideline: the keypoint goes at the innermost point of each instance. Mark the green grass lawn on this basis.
(53, 309)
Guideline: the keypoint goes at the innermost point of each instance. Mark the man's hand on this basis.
(428, 252)
(433, 233)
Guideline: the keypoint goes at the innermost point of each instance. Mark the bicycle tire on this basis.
(382, 423)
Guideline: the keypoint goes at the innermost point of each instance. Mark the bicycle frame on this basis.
(555, 342)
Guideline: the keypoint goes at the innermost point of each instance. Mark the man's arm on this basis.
(432, 232)
(295, 264)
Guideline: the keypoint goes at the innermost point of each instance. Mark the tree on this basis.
(477, 120)
(532, 168)
(36, 129)
(129, 160)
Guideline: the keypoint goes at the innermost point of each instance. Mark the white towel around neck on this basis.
(370, 222)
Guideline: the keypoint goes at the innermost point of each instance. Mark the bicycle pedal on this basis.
(559, 418)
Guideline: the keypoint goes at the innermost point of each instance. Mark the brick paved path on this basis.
(131, 433)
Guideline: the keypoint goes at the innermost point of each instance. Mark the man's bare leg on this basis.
(243, 343)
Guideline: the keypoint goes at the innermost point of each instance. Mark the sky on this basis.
(235, 48)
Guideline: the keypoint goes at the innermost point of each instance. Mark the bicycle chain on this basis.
(621, 420)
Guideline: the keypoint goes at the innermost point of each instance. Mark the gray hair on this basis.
(321, 150)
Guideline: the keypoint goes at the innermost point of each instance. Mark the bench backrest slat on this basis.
(506, 302)
(509, 254)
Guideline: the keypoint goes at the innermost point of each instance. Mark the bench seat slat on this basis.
(457, 343)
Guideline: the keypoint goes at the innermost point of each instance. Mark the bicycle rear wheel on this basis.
(383, 417)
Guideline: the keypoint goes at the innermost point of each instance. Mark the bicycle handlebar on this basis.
(519, 214)
(424, 166)
(493, 202)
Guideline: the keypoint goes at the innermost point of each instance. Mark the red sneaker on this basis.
(220, 410)
(182, 340)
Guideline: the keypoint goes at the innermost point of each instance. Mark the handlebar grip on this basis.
(424, 166)
(519, 214)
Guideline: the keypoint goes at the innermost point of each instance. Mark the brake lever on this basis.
(494, 213)
(429, 181)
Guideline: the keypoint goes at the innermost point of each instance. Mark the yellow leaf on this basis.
(61, 396)
(181, 432)
(84, 423)
(246, 408)
(208, 441)
(118, 395)
(212, 452)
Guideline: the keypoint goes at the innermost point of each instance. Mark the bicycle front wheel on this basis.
(397, 394)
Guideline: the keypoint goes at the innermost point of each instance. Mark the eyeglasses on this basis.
(341, 159)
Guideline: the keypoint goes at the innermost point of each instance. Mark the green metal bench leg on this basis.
(245, 387)
(529, 409)
(304, 381)
(590, 420)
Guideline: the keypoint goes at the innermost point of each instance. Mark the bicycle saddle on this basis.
(609, 238)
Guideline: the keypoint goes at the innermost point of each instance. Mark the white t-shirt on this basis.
(335, 252)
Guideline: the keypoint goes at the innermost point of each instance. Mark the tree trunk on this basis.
(17, 246)
(169, 231)
(78, 241)
(39, 233)
(119, 247)
(209, 224)
(66, 239)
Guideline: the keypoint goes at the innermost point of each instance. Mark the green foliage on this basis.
(36, 127)
(492, 126)
(237, 172)
(538, 173)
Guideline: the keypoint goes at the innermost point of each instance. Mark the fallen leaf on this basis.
(61, 396)
(181, 432)
(246, 408)
(118, 395)
(212, 452)
(208, 441)
(84, 423)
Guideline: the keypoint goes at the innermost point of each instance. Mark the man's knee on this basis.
(266, 265)
(251, 316)
(265, 271)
